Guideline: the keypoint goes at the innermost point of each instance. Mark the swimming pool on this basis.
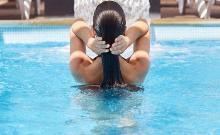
(37, 95)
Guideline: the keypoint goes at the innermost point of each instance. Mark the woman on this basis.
(109, 38)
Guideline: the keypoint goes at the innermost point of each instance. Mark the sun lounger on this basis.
(25, 8)
(210, 4)
(200, 6)
(181, 6)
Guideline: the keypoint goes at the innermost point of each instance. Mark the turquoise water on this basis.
(181, 93)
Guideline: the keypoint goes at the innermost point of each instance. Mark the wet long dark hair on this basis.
(109, 22)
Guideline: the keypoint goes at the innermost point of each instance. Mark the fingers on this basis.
(100, 51)
(104, 46)
(101, 46)
(119, 41)
(100, 42)
(98, 38)
(116, 47)
(117, 52)
(119, 38)
(120, 45)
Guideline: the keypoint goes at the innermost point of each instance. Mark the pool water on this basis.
(38, 95)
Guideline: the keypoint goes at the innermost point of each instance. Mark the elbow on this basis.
(91, 79)
(145, 29)
(74, 29)
(144, 25)
(77, 19)
(142, 19)
(131, 79)
(76, 26)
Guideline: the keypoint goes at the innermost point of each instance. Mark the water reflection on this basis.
(113, 111)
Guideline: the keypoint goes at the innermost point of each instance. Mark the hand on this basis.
(97, 45)
(120, 45)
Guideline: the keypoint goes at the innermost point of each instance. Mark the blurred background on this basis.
(29, 9)
(203, 9)
(32, 9)
(176, 9)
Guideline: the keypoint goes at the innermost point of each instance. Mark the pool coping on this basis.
(69, 21)
(57, 21)
(185, 21)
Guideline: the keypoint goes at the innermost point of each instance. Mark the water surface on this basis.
(181, 93)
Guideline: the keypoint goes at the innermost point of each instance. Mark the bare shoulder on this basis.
(78, 19)
(143, 20)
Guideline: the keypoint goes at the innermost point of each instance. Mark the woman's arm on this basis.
(84, 32)
(138, 64)
(135, 31)
(82, 67)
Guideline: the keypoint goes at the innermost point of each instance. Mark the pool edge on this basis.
(183, 21)
(69, 21)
